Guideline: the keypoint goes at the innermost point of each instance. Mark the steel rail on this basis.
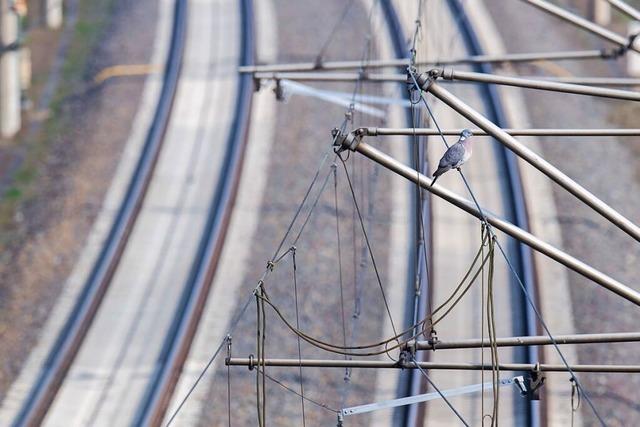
(184, 326)
(403, 62)
(426, 79)
(375, 131)
(499, 223)
(76, 326)
(252, 363)
(536, 161)
(582, 23)
(626, 8)
(616, 337)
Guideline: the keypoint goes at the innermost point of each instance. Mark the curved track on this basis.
(76, 327)
(104, 369)
(180, 337)
(414, 415)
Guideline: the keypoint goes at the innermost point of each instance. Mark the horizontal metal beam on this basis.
(576, 85)
(581, 22)
(592, 81)
(375, 131)
(615, 337)
(499, 223)
(535, 160)
(332, 77)
(403, 62)
(389, 364)
(539, 84)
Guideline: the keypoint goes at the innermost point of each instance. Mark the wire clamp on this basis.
(405, 358)
(343, 142)
(252, 363)
(433, 339)
(535, 381)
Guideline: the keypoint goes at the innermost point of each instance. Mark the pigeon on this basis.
(456, 155)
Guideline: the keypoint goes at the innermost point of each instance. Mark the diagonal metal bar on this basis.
(616, 337)
(578, 21)
(535, 160)
(425, 397)
(499, 223)
(374, 131)
(626, 8)
(426, 79)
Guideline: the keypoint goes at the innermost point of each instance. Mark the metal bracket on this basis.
(433, 339)
(535, 382)
(349, 141)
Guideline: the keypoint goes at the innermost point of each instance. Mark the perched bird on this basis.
(456, 155)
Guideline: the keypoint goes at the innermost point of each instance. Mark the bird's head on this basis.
(466, 134)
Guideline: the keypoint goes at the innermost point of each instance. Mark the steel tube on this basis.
(373, 131)
(536, 161)
(332, 77)
(576, 85)
(534, 340)
(626, 8)
(403, 62)
(389, 364)
(593, 81)
(580, 22)
(540, 84)
(499, 223)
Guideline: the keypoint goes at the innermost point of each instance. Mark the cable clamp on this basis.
(433, 339)
(535, 382)
(342, 142)
(252, 363)
(405, 358)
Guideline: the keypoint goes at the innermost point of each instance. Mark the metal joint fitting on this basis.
(346, 142)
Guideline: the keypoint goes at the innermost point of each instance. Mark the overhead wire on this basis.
(449, 404)
(295, 293)
(307, 398)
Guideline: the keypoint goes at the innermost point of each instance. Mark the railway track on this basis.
(76, 327)
(414, 415)
(184, 318)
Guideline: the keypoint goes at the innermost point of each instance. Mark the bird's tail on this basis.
(436, 175)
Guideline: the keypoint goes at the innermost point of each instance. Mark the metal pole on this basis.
(536, 161)
(576, 85)
(426, 79)
(389, 364)
(332, 77)
(626, 8)
(403, 62)
(10, 102)
(581, 22)
(501, 224)
(529, 340)
(593, 81)
(373, 131)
